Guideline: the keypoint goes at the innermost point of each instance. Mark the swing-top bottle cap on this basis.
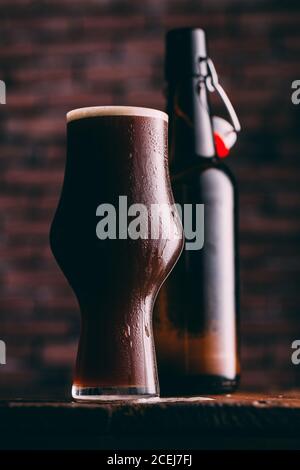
(184, 48)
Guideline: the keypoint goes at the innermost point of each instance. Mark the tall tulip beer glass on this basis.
(116, 173)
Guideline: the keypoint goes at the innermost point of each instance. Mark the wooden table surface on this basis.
(237, 421)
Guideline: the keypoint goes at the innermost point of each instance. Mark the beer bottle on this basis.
(196, 311)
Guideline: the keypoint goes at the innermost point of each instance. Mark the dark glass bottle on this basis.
(196, 312)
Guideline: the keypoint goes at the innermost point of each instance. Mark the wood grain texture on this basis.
(241, 420)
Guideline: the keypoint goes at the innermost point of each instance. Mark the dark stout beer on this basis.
(113, 152)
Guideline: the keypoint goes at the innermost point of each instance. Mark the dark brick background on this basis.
(57, 55)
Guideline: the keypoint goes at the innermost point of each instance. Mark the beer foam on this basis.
(95, 111)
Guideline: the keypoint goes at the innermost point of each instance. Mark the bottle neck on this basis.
(191, 132)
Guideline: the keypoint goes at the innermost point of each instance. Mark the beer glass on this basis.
(116, 172)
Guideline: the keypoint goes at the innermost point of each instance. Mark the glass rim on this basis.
(95, 111)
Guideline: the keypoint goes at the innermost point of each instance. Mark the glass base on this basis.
(101, 394)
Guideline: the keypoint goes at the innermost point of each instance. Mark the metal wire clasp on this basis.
(212, 83)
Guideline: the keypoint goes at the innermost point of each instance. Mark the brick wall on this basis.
(57, 55)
